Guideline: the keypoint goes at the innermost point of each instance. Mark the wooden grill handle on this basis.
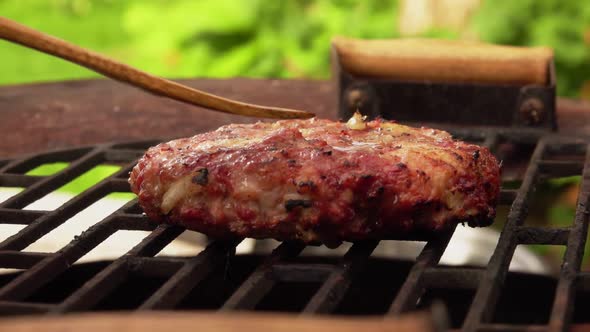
(216, 322)
(444, 61)
(23, 35)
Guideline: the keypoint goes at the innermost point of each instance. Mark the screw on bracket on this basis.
(360, 98)
(532, 111)
(356, 98)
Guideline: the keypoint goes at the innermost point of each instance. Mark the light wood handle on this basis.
(215, 322)
(444, 61)
(20, 34)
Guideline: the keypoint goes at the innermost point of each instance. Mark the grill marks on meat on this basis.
(317, 181)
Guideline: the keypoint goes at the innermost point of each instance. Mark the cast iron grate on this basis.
(334, 280)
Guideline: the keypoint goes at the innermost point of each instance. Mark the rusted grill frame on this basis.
(184, 274)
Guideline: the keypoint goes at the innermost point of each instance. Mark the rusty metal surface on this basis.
(42, 117)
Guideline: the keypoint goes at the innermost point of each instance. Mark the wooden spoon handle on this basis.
(20, 34)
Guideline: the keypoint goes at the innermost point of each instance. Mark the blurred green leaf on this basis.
(554, 23)
(186, 38)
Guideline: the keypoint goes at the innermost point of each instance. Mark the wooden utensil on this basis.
(20, 34)
(444, 61)
(217, 322)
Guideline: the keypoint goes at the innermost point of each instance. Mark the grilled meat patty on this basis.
(318, 181)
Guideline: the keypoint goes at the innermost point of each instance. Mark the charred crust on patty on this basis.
(308, 183)
(291, 204)
(202, 177)
(376, 193)
(479, 220)
(475, 155)
(457, 156)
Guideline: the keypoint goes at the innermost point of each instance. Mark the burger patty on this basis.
(318, 181)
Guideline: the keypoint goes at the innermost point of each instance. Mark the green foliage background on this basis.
(262, 38)
(561, 24)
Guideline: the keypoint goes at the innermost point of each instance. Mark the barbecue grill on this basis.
(476, 298)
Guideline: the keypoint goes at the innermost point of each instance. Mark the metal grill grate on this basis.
(552, 156)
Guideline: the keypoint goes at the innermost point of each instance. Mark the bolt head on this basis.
(532, 111)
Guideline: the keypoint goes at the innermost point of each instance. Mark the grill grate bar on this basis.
(28, 163)
(108, 279)
(583, 281)
(488, 291)
(95, 289)
(330, 294)
(18, 180)
(4, 162)
(412, 288)
(158, 267)
(259, 283)
(51, 183)
(135, 222)
(507, 196)
(44, 271)
(19, 217)
(491, 141)
(156, 241)
(301, 272)
(118, 185)
(117, 155)
(123, 173)
(188, 276)
(564, 294)
(13, 307)
(51, 220)
(21, 260)
(560, 168)
(569, 146)
(134, 210)
(453, 278)
(537, 235)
